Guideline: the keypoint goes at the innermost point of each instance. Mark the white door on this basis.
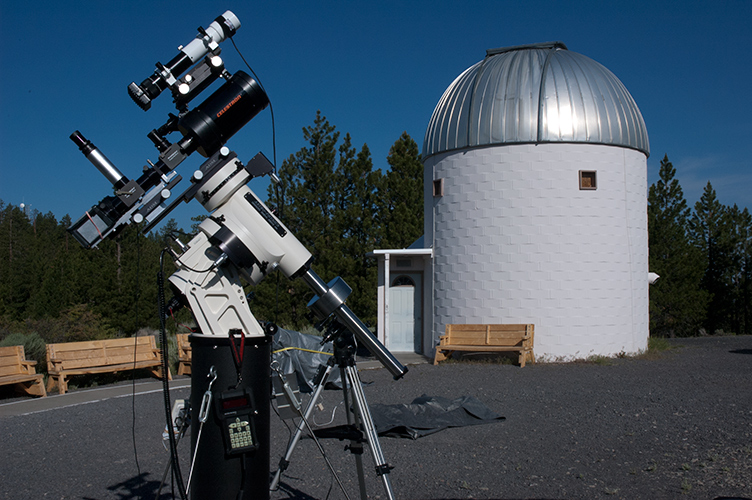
(404, 314)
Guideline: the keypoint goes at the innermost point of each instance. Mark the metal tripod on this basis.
(359, 420)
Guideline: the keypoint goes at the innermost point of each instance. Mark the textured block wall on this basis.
(516, 241)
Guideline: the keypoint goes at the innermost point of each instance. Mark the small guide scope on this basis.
(166, 75)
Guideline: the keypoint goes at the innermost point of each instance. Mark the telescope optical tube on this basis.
(210, 124)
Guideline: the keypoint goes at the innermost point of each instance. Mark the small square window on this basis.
(438, 188)
(587, 179)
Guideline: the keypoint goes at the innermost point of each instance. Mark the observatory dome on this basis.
(535, 182)
(533, 94)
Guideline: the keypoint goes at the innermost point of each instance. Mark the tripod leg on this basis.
(366, 421)
(356, 448)
(169, 462)
(299, 431)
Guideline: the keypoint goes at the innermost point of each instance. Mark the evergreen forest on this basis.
(331, 197)
(341, 207)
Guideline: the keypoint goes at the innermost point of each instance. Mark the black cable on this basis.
(184, 266)
(274, 157)
(271, 108)
(133, 372)
(289, 430)
(241, 492)
(165, 384)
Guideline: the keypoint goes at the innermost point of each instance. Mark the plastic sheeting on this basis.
(302, 354)
(429, 414)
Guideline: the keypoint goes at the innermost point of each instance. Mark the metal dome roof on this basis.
(534, 94)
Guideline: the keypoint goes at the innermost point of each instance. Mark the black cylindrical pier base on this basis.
(217, 475)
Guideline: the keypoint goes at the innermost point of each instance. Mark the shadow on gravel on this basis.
(741, 351)
(294, 492)
(136, 487)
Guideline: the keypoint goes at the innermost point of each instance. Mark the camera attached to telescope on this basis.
(203, 129)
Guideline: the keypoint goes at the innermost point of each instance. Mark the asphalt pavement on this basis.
(675, 426)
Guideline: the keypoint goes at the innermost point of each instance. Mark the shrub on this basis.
(34, 347)
(172, 345)
(76, 323)
(658, 344)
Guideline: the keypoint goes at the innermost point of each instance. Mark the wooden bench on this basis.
(184, 354)
(16, 369)
(102, 356)
(487, 338)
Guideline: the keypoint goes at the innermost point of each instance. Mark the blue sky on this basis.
(374, 69)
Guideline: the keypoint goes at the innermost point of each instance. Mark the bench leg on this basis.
(531, 357)
(62, 384)
(37, 388)
(32, 387)
(157, 372)
(441, 356)
(521, 359)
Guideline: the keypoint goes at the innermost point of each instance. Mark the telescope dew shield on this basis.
(99, 160)
(210, 124)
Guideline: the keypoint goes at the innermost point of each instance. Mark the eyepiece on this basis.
(139, 96)
(79, 140)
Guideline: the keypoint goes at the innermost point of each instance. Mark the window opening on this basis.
(438, 188)
(587, 179)
(403, 281)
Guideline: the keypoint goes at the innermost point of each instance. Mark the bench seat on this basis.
(184, 354)
(102, 356)
(15, 369)
(487, 338)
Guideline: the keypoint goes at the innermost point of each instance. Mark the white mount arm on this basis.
(242, 238)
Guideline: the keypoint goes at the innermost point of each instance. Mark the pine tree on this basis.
(304, 201)
(16, 253)
(47, 253)
(741, 273)
(402, 195)
(711, 231)
(677, 303)
(328, 198)
(356, 217)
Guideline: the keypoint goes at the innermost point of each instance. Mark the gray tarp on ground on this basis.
(287, 345)
(302, 354)
(429, 414)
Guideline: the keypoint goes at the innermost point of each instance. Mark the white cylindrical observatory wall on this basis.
(516, 240)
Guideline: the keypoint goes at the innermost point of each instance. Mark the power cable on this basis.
(274, 161)
(271, 108)
(135, 346)
(165, 385)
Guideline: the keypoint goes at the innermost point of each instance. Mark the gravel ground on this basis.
(674, 426)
